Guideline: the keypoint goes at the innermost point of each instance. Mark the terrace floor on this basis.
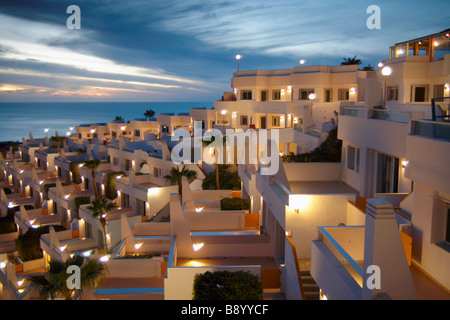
(320, 187)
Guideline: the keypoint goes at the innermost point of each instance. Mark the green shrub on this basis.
(226, 285)
(328, 151)
(7, 223)
(76, 177)
(110, 188)
(78, 202)
(27, 244)
(227, 180)
(234, 204)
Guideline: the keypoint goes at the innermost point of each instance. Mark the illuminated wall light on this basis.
(198, 246)
(289, 88)
(312, 96)
(198, 209)
(435, 43)
(122, 128)
(299, 202)
(282, 91)
(86, 253)
(31, 222)
(62, 248)
(138, 245)
(405, 163)
(446, 86)
(19, 283)
(289, 233)
(11, 205)
(2, 265)
(104, 259)
(80, 165)
(352, 90)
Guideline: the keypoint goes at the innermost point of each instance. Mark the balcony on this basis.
(431, 129)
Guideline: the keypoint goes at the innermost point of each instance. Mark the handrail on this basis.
(297, 267)
(341, 250)
(171, 258)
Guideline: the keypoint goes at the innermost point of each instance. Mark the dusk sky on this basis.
(185, 50)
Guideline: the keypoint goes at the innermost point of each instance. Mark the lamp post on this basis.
(386, 72)
(238, 57)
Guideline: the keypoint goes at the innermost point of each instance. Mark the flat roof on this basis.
(426, 37)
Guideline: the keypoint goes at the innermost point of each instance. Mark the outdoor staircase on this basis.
(310, 288)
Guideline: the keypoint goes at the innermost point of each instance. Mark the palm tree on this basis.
(53, 282)
(207, 143)
(176, 175)
(13, 145)
(93, 165)
(59, 140)
(349, 61)
(118, 118)
(99, 209)
(149, 114)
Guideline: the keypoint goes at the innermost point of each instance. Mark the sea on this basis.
(18, 119)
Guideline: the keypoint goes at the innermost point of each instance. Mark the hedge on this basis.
(75, 169)
(110, 188)
(226, 285)
(234, 204)
(27, 244)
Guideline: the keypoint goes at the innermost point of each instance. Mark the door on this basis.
(263, 122)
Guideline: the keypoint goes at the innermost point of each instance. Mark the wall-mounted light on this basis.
(289, 233)
(198, 209)
(282, 91)
(223, 112)
(104, 259)
(138, 245)
(435, 43)
(405, 163)
(446, 86)
(352, 90)
(122, 128)
(289, 88)
(312, 96)
(198, 246)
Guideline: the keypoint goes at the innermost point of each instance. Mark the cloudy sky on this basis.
(184, 50)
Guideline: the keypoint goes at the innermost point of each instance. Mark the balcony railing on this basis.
(352, 111)
(440, 109)
(431, 129)
(395, 116)
(353, 268)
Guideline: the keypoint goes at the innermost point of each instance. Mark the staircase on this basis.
(310, 288)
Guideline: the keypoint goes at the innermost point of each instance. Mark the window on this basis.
(438, 91)
(264, 95)
(387, 174)
(276, 121)
(276, 94)
(137, 133)
(304, 93)
(244, 120)
(328, 95)
(246, 95)
(115, 161)
(419, 93)
(343, 94)
(113, 134)
(392, 93)
(353, 155)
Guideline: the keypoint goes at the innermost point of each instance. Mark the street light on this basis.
(238, 57)
(386, 72)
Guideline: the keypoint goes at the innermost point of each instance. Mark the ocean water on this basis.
(18, 119)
